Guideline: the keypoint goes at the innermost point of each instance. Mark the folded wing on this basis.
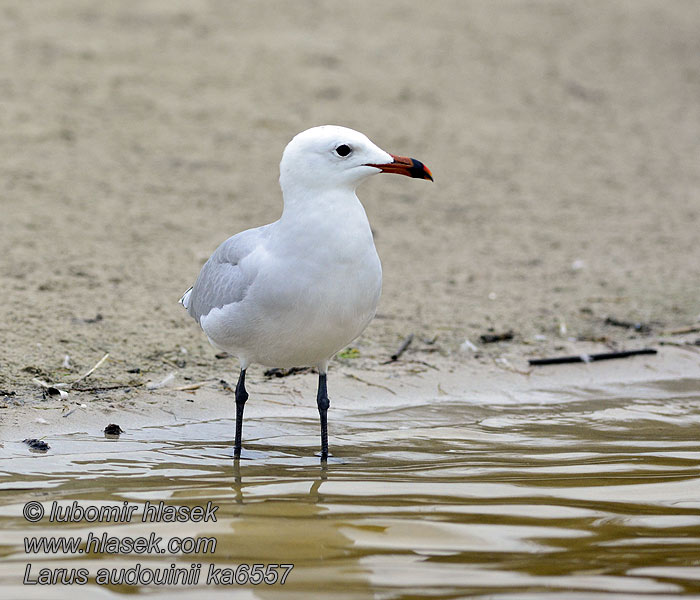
(224, 278)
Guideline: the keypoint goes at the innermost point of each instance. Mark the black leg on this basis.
(241, 397)
(323, 403)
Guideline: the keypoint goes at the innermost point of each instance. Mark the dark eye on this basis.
(343, 150)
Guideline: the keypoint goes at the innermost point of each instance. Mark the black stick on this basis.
(402, 348)
(559, 360)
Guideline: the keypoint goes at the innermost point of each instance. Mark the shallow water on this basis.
(585, 493)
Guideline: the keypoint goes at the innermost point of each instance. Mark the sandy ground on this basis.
(134, 137)
(377, 388)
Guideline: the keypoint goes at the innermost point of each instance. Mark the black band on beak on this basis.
(419, 170)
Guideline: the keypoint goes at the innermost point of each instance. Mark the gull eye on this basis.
(343, 150)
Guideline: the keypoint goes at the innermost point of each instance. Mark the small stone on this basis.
(113, 430)
(36, 445)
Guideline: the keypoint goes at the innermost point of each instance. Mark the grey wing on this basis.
(222, 279)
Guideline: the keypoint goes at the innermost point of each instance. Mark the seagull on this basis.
(294, 292)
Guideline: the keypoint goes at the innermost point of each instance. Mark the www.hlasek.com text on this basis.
(110, 544)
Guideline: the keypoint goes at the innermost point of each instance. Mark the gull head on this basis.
(332, 157)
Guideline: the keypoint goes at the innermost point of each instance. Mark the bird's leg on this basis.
(241, 397)
(323, 403)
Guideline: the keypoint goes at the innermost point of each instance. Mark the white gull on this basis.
(296, 291)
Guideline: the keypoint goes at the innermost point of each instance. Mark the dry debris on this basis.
(36, 445)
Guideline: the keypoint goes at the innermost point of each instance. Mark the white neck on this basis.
(302, 202)
(332, 217)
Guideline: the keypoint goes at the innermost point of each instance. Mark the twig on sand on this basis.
(402, 348)
(491, 338)
(280, 402)
(692, 346)
(503, 363)
(91, 371)
(190, 386)
(640, 327)
(425, 364)
(107, 388)
(586, 358)
(682, 330)
(379, 385)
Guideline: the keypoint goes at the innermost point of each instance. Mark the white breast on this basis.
(316, 290)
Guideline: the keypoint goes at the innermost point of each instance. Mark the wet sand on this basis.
(362, 390)
(563, 137)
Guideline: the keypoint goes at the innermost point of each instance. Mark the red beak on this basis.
(405, 166)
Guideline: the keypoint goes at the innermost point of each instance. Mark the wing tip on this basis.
(185, 300)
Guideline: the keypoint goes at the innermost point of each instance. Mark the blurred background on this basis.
(136, 136)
